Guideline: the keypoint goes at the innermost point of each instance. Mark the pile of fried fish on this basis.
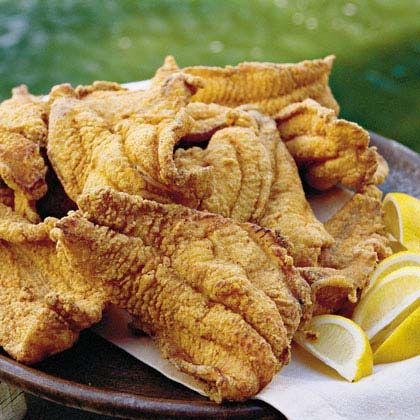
(183, 204)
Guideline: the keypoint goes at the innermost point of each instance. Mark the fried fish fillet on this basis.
(365, 215)
(169, 90)
(221, 299)
(25, 114)
(359, 244)
(98, 137)
(43, 303)
(22, 169)
(209, 118)
(243, 173)
(122, 139)
(287, 209)
(254, 178)
(7, 196)
(268, 86)
(135, 157)
(327, 149)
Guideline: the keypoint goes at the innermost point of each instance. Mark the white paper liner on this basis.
(304, 389)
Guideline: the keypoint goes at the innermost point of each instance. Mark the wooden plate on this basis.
(96, 376)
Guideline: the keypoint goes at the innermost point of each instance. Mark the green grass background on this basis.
(376, 77)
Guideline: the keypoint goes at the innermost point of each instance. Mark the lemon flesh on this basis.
(402, 219)
(341, 344)
(396, 294)
(402, 343)
(392, 263)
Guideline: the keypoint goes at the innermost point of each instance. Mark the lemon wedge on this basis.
(392, 299)
(392, 263)
(402, 343)
(402, 219)
(341, 344)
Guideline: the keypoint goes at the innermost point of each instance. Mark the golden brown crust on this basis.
(26, 115)
(254, 177)
(365, 216)
(327, 149)
(168, 92)
(136, 156)
(221, 296)
(43, 303)
(23, 131)
(245, 172)
(359, 244)
(222, 300)
(381, 171)
(82, 91)
(242, 174)
(287, 210)
(21, 165)
(101, 135)
(209, 118)
(268, 86)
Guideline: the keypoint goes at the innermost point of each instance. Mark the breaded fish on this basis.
(43, 303)
(359, 244)
(23, 131)
(327, 149)
(245, 172)
(136, 157)
(267, 86)
(222, 299)
(168, 91)
(25, 114)
(255, 179)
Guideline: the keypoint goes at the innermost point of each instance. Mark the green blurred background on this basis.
(376, 77)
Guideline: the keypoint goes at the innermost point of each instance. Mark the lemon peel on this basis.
(341, 344)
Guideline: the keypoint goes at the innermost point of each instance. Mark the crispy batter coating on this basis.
(287, 209)
(268, 86)
(22, 169)
(254, 177)
(7, 196)
(109, 99)
(365, 216)
(241, 174)
(329, 150)
(169, 90)
(209, 118)
(221, 296)
(129, 149)
(360, 242)
(26, 115)
(222, 299)
(105, 135)
(43, 303)
(136, 157)
(381, 171)
(245, 172)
